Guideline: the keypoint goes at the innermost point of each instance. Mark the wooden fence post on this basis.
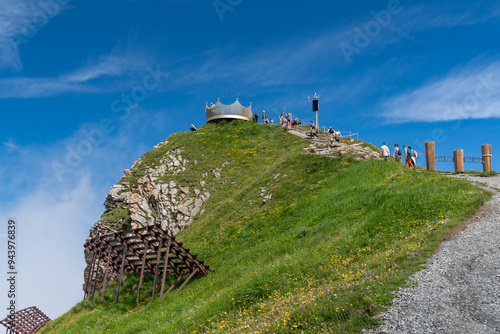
(486, 149)
(430, 155)
(458, 159)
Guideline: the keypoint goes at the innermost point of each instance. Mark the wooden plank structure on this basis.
(143, 251)
(25, 321)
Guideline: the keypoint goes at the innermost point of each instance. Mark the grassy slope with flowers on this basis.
(321, 256)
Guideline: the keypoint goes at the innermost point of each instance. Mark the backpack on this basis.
(399, 151)
(410, 152)
(415, 153)
(331, 130)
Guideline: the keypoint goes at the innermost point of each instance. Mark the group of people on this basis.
(287, 121)
(333, 134)
(407, 156)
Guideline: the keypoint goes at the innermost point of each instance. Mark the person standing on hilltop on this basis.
(192, 127)
(264, 117)
(385, 151)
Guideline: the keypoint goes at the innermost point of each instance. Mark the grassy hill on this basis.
(322, 255)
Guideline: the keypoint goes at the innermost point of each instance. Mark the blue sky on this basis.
(86, 87)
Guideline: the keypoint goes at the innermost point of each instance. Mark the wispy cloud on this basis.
(20, 20)
(54, 217)
(94, 77)
(470, 93)
(10, 145)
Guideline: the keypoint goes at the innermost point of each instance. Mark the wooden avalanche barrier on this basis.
(143, 251)
(25, 321)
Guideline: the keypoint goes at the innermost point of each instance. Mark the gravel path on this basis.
(459, 291)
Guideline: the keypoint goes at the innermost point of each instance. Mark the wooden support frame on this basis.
(106, 274)
(142, 272)
(89, 276)
(141, 252)
(26, 321)
(120, 275)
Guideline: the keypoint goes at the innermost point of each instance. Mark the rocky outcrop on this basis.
(154, 200)
(352, 148)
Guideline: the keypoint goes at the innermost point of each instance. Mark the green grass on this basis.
(322, 256)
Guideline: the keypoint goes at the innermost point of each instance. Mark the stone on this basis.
(126, 171)
(184, 209)
(185, 190)
(198, 203)
(171, 184)
(195, 211)
(202, 183)
(196, 191)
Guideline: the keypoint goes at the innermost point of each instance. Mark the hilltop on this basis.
(296, 242)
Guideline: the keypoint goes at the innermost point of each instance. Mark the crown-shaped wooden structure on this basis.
(219, 111)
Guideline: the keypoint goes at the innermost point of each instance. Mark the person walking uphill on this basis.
(409, 160)
(385, 151)
(397, 153)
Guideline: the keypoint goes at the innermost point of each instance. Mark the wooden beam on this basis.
(173, 285)
(97, 270)
(106, 274)
(142, 271)
(186, 281)
(158, 256)
(87, 282)
(121, 273)
(165, 265)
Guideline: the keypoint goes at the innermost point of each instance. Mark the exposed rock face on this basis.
(155, 201)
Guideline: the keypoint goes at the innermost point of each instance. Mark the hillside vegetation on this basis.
(321, 255)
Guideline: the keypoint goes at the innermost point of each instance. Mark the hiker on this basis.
(271, 121)
(289, 120)
(409, 160)
(312, 128)
(414, 158)
(255, 117)
(296, 121)
(385, 151)
(264, 117)
(397, 153)
(337, 136)
(192, 127)
(331, 134)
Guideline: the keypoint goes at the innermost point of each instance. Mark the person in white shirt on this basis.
(385, 151)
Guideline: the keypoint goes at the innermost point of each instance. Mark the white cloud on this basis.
(82, 80)
(471, 93)
(54, 217)
(20, 21)
(51, 229)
